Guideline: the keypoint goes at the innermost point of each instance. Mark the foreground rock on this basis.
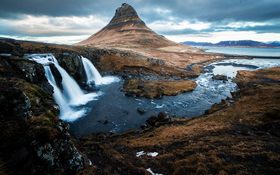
(236, 138)
(157, 88)
(33, 139)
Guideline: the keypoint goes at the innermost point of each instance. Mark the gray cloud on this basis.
(217, 12)
(203, 10)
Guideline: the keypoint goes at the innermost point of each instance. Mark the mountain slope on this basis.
(128, 32)
(126, 29)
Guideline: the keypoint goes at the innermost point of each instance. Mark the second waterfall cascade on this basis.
(93, 76)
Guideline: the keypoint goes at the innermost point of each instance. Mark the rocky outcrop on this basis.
(33, 139)
(24, 69)
(57, 75)
(14, 103)
(157, 88)
(72, 63)
(220, 77)
(156, 121)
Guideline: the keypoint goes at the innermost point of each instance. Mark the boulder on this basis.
(220, 77)
(141, 111)
(161, 118)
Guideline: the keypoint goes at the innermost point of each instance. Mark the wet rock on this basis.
(161, 118)
(141, 111)
(72, 63)
(208, 68)
(57, 76)
(220, 77)
(218, 106)
(143, 126)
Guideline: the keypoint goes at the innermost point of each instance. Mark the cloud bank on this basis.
(177, 19)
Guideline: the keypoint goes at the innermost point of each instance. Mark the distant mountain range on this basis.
(240, 43)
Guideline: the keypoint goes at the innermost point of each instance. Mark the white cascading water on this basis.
(71, 89)
(72, 94)
(93, 75)
(66, 112)
(58, 96)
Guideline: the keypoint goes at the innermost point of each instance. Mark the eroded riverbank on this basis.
(234, 138)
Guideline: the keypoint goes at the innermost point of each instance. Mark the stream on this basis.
(115, 112)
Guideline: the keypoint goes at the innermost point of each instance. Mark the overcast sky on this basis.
(70, 21)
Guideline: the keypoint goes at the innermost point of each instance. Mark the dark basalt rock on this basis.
(57, 76)
(161, 118)
(220, 77)
(72, 63)
(141, 111)
(25, 69)
(14, 103)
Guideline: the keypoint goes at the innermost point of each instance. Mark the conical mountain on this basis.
(127, 30)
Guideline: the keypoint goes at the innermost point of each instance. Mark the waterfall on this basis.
(71, 89)
(71, 95)
(66, 112)
(58, 96)
(93, 75)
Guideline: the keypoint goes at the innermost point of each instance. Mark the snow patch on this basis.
(142, 153)
(152, 173)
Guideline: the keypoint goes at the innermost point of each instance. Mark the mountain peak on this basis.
(125, 14)
(127, 30)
